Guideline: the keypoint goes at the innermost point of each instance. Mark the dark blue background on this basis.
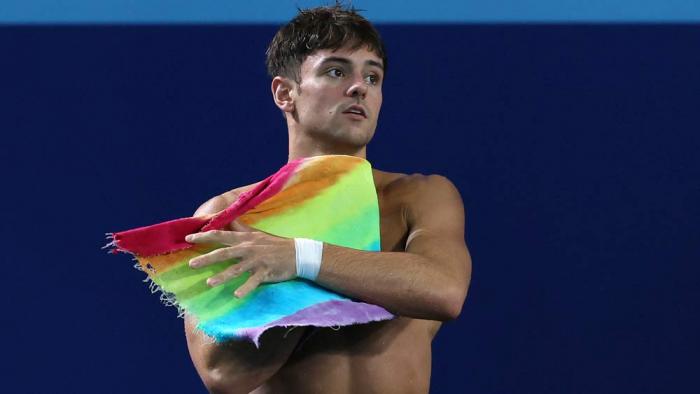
(574, 147)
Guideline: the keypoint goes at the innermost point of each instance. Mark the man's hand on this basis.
(268, 258)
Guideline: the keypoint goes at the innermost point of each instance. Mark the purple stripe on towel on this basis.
(327, 314)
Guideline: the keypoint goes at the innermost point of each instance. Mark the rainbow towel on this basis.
(327, 198)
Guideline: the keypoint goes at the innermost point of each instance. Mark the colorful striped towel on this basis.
(327, 198)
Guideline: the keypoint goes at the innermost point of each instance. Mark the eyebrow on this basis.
(349, 63)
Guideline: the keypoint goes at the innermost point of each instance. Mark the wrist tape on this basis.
(309, 254)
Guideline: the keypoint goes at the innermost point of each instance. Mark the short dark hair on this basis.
(329, 27)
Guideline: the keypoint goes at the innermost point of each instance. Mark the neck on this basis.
(301, 145)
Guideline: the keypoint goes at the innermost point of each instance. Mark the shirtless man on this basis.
(327, 66)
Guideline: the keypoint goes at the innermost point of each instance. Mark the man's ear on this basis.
(282, 93)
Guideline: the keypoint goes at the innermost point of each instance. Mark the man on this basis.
(327, 66)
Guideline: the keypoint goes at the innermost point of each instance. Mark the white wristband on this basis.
(309, 255)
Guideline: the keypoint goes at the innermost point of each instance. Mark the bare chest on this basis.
(389, 356)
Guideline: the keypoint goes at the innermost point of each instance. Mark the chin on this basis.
(355, 139)
(350, 138)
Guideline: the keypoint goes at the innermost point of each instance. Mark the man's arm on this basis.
(427, 281)
(236, 366)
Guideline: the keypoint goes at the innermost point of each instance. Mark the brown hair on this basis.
(330, 27)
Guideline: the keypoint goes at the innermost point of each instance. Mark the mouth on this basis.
(356, 110)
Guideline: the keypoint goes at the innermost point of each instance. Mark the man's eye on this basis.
(372, 79)
(335, 72)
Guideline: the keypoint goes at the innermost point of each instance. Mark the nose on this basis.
(358, 88)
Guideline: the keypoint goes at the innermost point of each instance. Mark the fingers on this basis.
(251, 284)
(234, 252)
(219, 236)
(230, 273)
(267, 257)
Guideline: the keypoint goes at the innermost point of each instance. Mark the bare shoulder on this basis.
(431, 206)
(218, 203)
(417, 189)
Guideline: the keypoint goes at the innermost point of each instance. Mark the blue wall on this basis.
(574, 148)
(379, 11)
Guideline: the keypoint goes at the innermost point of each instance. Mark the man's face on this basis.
(340, 95)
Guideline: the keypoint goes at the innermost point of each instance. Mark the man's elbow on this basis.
(225, 381)
(216, 381)
(452, 303)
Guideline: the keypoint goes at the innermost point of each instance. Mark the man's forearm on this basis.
(404, 283)
(430, 285)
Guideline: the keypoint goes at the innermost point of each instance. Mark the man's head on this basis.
(327, 66)
(320, 28)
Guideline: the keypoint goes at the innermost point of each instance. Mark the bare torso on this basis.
(385, 357)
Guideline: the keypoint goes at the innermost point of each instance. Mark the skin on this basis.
(422, 273)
